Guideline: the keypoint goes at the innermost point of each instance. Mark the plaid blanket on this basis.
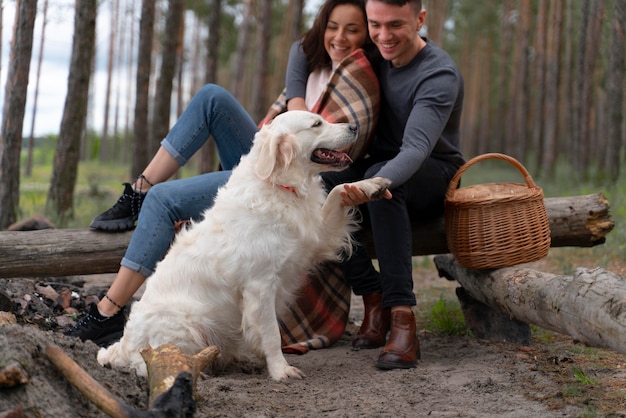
(319, 316)
(352, 95)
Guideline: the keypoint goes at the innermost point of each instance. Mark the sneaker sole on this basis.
(107, 340)
(114, 225)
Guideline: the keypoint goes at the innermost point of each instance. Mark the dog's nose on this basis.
(354, 129)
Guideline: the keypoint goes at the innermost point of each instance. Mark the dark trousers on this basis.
(419, 198)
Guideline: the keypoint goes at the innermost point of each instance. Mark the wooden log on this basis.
(590, 306)
(167, 361)
(581, 221)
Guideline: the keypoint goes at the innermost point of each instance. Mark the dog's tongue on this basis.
(330, 157)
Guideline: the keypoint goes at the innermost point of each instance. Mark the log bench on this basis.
(579, 221)
(497, 304)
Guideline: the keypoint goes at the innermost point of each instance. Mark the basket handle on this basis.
(489, 156)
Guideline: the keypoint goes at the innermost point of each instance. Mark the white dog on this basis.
(224, 278)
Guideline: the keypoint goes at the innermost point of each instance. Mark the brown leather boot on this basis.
(403, 348)
(373, 331)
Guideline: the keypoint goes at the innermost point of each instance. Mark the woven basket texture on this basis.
(496, 225)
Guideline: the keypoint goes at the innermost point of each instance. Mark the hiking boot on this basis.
(122, 215)
(102, 330)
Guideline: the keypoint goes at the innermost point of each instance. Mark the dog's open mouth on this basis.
(331, 157)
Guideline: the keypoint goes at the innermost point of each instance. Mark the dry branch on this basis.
(590, 306)
(87, 385)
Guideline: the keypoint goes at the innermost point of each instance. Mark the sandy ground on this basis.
(457, 376)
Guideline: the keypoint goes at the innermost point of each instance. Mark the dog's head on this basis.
(301, 141)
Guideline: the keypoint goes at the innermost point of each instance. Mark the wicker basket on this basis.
(496, 225)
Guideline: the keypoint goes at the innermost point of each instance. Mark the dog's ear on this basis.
(277, 150)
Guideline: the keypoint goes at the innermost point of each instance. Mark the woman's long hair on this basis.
(313, 40)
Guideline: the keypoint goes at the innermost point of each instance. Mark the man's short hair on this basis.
(416, 5)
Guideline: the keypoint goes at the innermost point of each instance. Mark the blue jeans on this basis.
(213, 111)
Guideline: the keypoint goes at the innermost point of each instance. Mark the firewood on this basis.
(166, 362)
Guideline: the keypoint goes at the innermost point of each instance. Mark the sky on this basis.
(55, 66)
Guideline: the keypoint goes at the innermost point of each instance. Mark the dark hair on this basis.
(416, 5)
(313, 39)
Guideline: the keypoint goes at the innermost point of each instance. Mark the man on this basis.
(417, 148)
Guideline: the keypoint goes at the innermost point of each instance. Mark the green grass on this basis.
(445, 317)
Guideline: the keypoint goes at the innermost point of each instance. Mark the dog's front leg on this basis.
(374, 188)
(260, 329)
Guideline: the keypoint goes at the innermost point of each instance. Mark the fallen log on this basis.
(590, 306)
(581, 221)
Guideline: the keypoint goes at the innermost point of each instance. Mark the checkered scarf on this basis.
(352, 95)
(319, 316)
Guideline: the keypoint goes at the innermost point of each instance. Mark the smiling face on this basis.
(394, 30)
(345, 32)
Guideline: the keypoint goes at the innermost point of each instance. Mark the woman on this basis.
(333, 48)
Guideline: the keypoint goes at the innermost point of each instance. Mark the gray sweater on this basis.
(420, 114)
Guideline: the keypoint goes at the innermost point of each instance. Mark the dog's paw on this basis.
(375, 187)
(286, 373)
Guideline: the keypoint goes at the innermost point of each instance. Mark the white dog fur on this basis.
(224, 278)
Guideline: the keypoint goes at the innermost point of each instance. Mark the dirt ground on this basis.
(457, 376)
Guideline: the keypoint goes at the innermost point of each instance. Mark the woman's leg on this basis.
(213, 112)
(167, 203)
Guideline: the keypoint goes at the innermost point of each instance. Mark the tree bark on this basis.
(60, 200)
(141, 146)
(163, 96)
(581, 221)
(615, 88)
(28, 170)
(590, 306)
(14, 109)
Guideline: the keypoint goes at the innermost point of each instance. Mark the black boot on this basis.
(102, 330)
(123, 214)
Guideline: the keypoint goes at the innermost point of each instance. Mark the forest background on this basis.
(544, 82)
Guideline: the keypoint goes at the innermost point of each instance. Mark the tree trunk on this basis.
(28, 170)
(241, 53)
(437, 15)
(581, 221)
(548, 147)
(615, 88)
(497, 136)
(590, 306)
(59, 204)
(260, 78)
(517, 112)
(140, 150)
(104, 143)
(163, 96)
(539, 70)
(208, 153)
(14, 109)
